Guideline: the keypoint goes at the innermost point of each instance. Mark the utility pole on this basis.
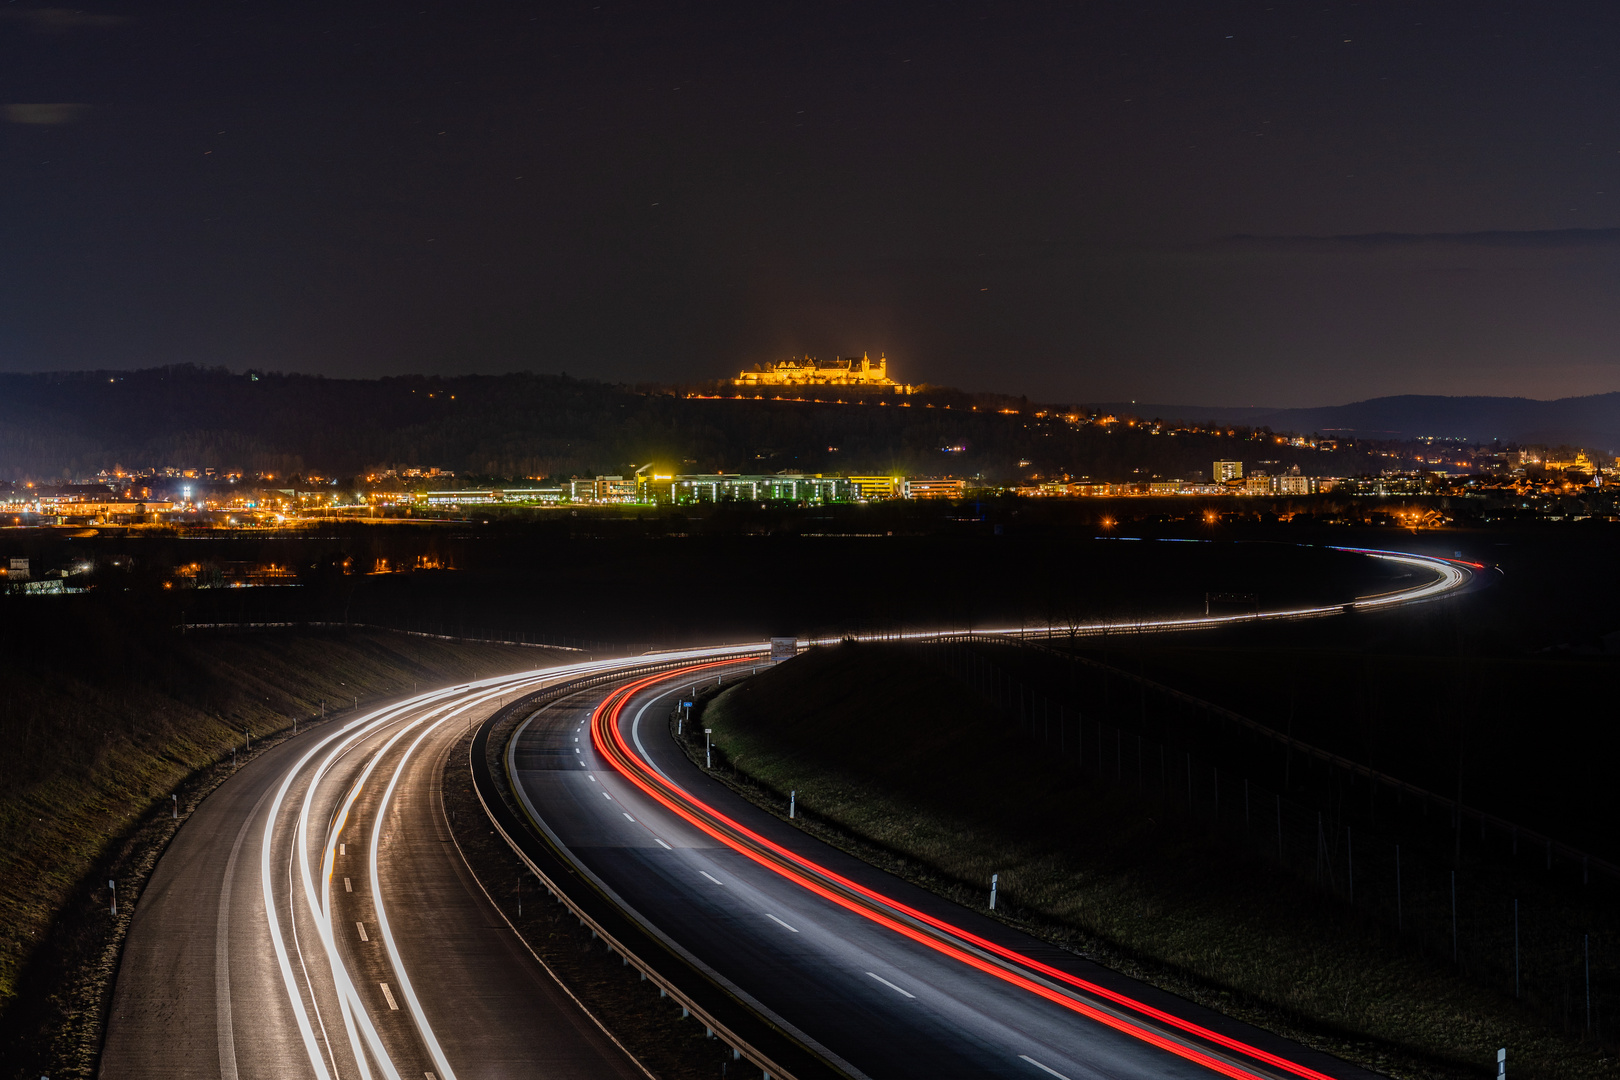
(1515, 948)
(1453, 917)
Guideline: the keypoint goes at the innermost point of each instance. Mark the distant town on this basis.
(174, 495)
(1038, 448)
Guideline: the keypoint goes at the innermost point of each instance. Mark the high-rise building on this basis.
(1227, 470)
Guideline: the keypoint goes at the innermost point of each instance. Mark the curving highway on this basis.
(315, 918)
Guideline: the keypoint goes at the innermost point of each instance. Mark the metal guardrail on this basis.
(777, 1053)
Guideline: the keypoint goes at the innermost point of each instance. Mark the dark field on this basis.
(895, 757)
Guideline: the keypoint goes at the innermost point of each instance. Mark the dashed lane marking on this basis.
(889, 984)
(711, 877)
(389, 994)
(1044, 1068)
(779, 922)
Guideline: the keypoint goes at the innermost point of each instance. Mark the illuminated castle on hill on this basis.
(845, 372)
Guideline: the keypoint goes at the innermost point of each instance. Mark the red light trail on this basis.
(609, 741)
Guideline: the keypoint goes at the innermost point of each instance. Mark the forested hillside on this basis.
(527, 425)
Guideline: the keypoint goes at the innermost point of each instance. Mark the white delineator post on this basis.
(995, 879)
(1501, 1064)
(793, 798)
(708, 749)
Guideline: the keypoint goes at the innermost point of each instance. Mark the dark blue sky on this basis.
(1160, 201)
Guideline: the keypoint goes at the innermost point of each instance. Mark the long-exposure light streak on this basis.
(610, 741)
(928, 930)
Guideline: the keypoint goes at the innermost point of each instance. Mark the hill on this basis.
(529, 425)
(1592, 421)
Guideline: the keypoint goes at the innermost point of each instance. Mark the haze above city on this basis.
(1219, 204)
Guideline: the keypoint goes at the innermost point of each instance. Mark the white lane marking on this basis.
(576, 749)
(360, 926)
(346, 886)
(635, 730)
(576, 738)
(890, 985)
(389, 994)
(429, 1076)
(1043, 1068)
(343, 849)
(591, 778)
(711, 877)
(665, 846)
(779, 922)
(606, 796)
(627, 817)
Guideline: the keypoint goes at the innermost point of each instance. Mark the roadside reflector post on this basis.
(112, 887)
(176, 799)
(708, 749)
(995, 879)
(1501, 1064)
(793, 798)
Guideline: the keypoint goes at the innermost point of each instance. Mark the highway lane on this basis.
(201, 991)
(870, 999)
(246, 957)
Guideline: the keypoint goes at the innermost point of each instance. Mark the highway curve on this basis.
(314, 917)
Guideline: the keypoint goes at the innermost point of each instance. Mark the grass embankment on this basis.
(102, 721)
(897, 764)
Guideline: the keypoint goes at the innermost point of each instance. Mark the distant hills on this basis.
(1592, 422)
(74, 424)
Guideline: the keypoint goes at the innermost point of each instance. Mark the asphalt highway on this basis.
(875, 1001)
(383, 956)
(314, 918)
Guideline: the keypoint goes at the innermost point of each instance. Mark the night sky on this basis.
(1215, 203)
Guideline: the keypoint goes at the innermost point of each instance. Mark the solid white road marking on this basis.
(665, 846)
(389, 994)
(711, 877)
(890, 985)
(360, 926)
(1043, 1068)
(627, 817)
(779, 922)
(346, 886)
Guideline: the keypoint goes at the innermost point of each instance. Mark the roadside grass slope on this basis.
(900, 765)
(103, 715)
